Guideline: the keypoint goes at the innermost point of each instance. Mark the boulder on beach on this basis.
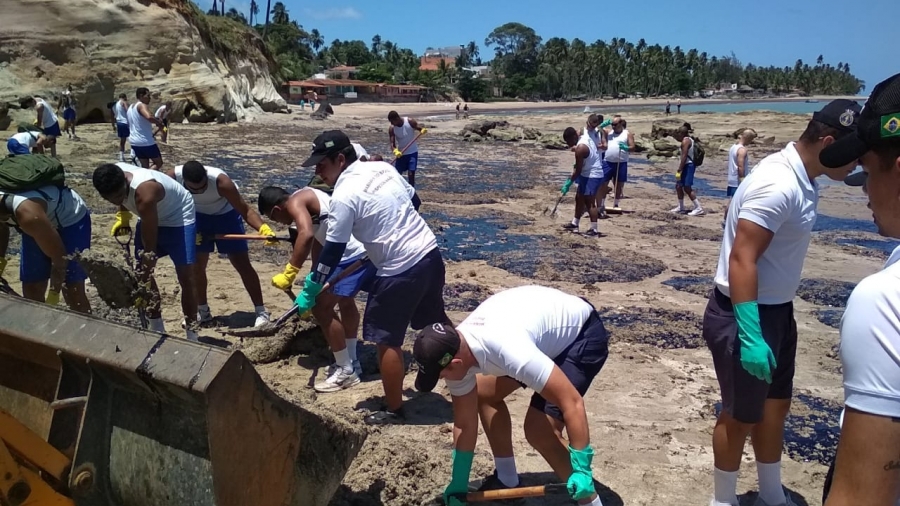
(665, 127)
(483, 127)
(667, 146)
(553, 141)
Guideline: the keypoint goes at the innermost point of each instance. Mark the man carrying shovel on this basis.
(526, 337)
(308, 209)
(404, 133)
(221, 210)
(165, 227)
(371, 203)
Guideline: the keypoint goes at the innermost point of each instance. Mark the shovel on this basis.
(249, 237)
(512, 493)
(5, 288)
(553, 213)
(272, 328)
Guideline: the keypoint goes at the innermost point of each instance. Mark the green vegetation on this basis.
(523, 65)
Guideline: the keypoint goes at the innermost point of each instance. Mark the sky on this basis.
(864, 33)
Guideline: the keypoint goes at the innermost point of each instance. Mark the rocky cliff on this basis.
(212, 68)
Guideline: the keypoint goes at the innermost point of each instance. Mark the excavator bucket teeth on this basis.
(153, 420)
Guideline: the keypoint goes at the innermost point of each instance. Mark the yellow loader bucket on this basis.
(136, 418)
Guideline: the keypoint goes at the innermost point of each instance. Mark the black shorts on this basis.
(580, 362)
(743, 395)
(413, 298)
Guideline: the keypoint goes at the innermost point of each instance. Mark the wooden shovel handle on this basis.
(514, 493)
(248, 237)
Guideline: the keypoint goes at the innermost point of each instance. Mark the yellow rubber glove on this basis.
(267, 231)
(3, 262)
(397, 153)
(52, 298)
(199, 239)
(284, 280)
(123, 223)
(424, 131)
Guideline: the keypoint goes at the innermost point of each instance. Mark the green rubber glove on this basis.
(459, 479)
(623, 146)
(606, 123)
(307, 298)
(756, 356)
(581, 482)
(566, 186)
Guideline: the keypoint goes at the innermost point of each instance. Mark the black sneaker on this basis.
(591, 233)
(492, 482)
(386, 417)
(569, 226)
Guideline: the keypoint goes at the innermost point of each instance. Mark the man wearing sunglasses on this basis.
(221, 210)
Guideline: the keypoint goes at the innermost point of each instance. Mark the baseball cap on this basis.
(841, 114)
(433, 350)
(330, 142)
(878, 121)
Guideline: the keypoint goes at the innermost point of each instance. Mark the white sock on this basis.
(156, 325)
(576, 221)
(680, 203)
(770, 483)
(342, 358)
(506, 471)
(594, 226)
(596, 502)
(696, 203)
(725, 488)
(351, 349)
(259, 309)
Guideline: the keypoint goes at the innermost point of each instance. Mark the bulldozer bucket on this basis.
(153, 420)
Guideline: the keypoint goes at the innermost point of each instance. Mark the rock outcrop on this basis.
(212, 68)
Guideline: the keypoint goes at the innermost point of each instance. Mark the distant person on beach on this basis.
(749, 324)
(140, 125)
(27, 142)
(466, 111)
(679, 106)
(162, 114)
(588, 175)
(457, 110)
(528, 337)
(866, 468)
(46, 121)
(684, 176)
(738, 163)
(668, 107)
(67, 104)
(403, 133)
(619, 143)
(120, 123)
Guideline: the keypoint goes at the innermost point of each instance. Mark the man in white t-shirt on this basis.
(26, 143)
(372, 203)
(867, 465)
(120, 123)
(619, 143)
(162, 114)
(403, 133)
(54, 223)
(533, 337)
(46, 121)
(738, 163)
(587, 172)
(749, 322)
(221, 210)
(684, 176)
(307, 211)
(165, 227)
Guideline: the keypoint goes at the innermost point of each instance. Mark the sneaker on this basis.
(121, 157)
(204, 316)
(591, 233)
(712, 502)
(569, 226)
(787, 498)
(192, 335)
(262, 319)
(492, 482)
(698, 211)
(385, 417)
(677, 210)
(338, 380)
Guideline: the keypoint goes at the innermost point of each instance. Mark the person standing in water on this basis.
(403, 132)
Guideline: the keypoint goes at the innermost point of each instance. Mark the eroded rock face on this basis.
(107, 47)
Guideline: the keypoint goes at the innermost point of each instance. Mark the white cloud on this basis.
(333, 13)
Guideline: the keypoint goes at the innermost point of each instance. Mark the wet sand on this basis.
(651, 409)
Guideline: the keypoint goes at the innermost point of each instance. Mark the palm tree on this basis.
(376, 46)
(215, 12)
(268, 10)
(316, 39)
(280, 14)
(254, 10)
(472, 52)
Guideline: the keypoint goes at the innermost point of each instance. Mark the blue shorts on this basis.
(69, 114)
(122, 130)
(210, 225)
(413, 298)
(15, 148)
(730, 191)
(53, 130)
(589, 185)
(615, 171)
(34, 266)
(687, 176)
(361, 279)
(178, 243)
(408, 162)
(150, 152)
(581, 362)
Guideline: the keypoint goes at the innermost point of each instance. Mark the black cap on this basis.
(433, 350)
(328, 143)
(856, 179)
(841, 114)
(878, 121)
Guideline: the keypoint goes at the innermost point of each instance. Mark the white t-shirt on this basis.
(733, 179)
(162, 112)
(360, 151)
(613, 153)
(121, 111)
(208, 202)
(593, 164)
(595, 136)
(779, 197)
(518, 332)
(176, 209)
(403, 135)
(140, 129)
(65, 207)
(372, 202)
(870, 342)
(355, 249)
(26, 139)
(48, 117)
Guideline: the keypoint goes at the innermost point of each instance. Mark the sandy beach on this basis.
(652, 408)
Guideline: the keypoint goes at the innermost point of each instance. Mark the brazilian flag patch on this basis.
(890, 125)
